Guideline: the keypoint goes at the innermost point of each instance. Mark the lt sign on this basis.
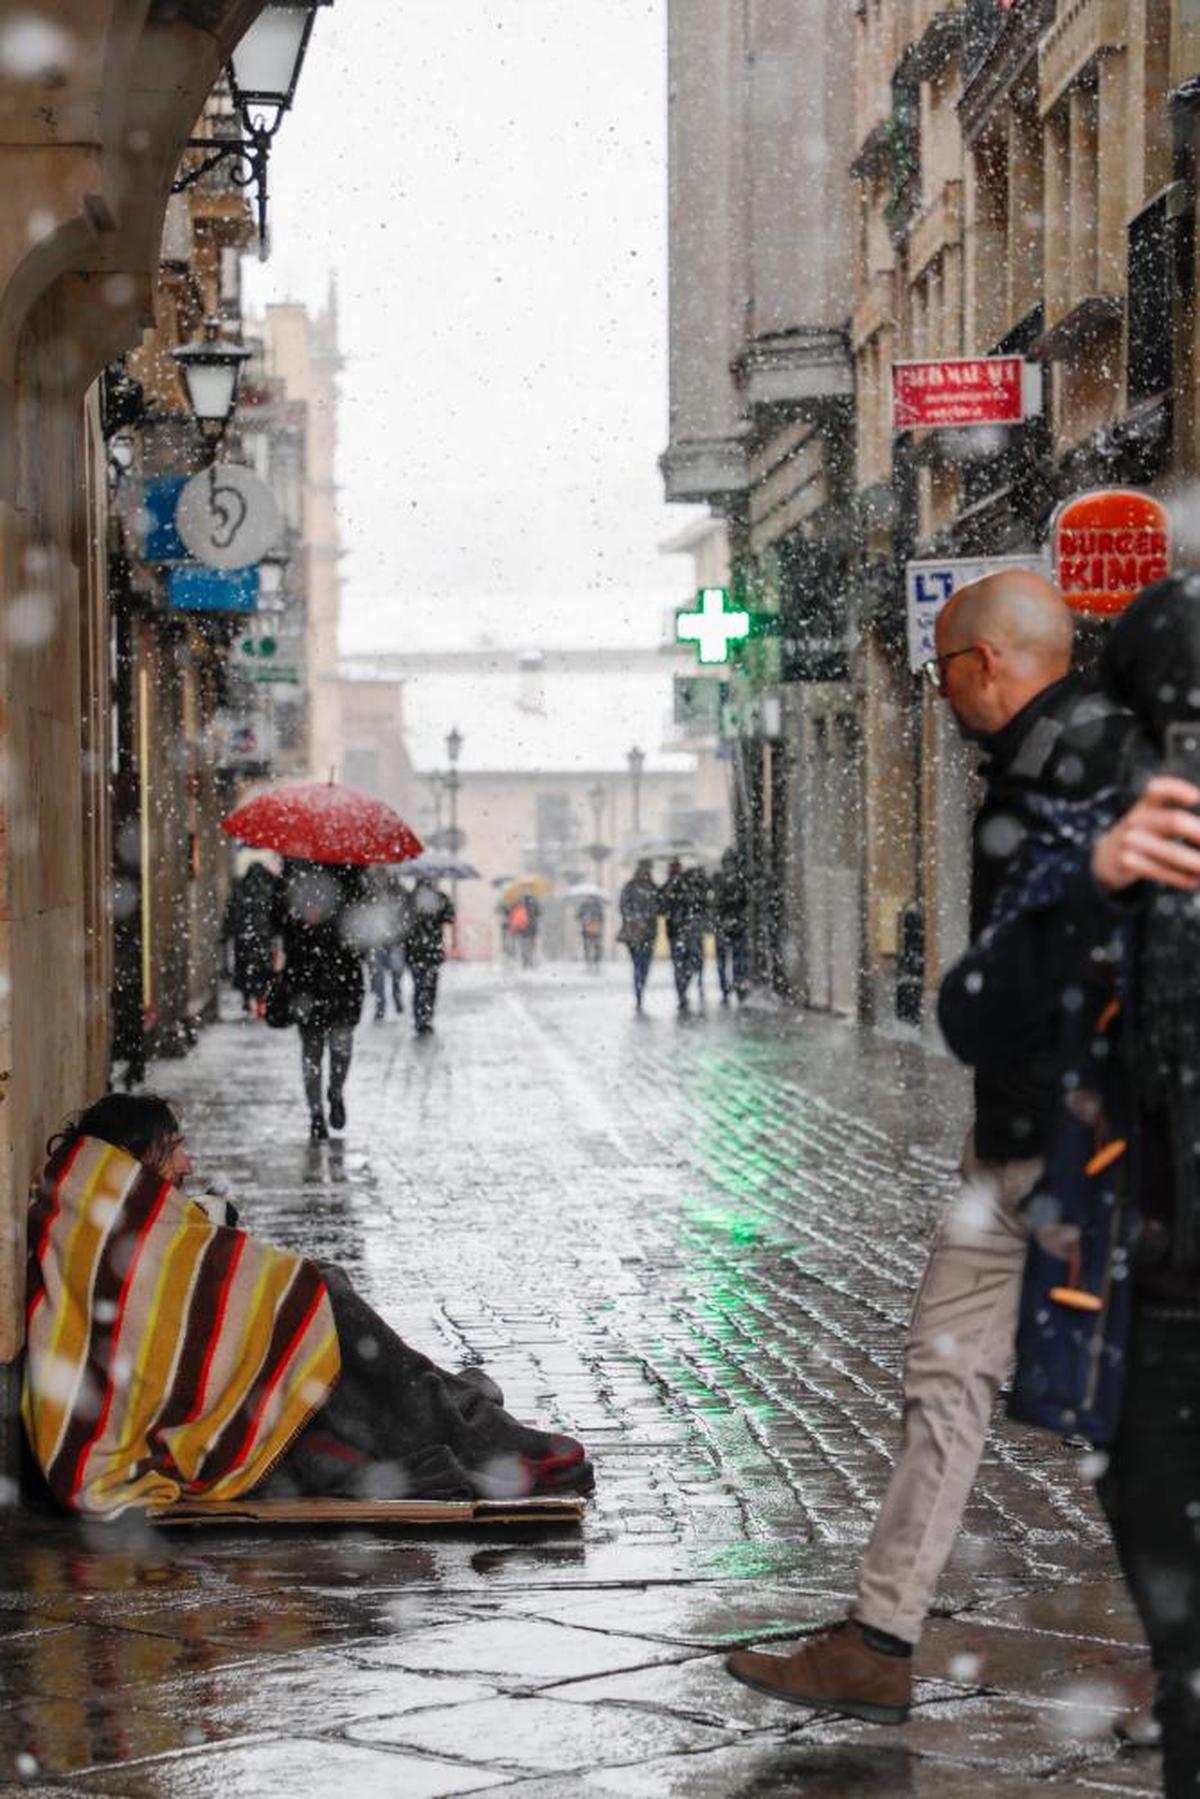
(711, 625)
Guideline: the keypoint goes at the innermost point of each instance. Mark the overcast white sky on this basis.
(488, 181)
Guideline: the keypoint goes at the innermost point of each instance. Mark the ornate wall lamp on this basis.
(262, 74)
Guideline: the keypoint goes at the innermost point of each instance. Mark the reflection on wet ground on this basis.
(695, 1245)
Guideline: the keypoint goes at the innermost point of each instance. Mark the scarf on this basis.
(169, 1355)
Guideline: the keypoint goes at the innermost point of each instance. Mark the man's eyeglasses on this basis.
(935, 669)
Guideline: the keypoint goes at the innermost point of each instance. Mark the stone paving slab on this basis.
(695, 1244)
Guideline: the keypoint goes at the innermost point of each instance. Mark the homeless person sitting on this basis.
(1096, 943)
(172, 1355)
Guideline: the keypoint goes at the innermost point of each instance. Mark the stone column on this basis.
(90, 136)
(1083, 212)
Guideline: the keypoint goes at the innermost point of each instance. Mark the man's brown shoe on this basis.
(834, 1670)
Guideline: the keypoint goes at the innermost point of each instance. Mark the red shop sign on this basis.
(965, 390)
(1108, 544)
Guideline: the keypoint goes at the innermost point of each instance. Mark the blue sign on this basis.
(163, 542)
(197, 589)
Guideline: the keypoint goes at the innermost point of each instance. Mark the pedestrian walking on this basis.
(731, 922)
(685, 905)
(1096, 952)
(243, 1368)
(320, 917)
(388, 900)
(430, 914)
(589, 915)
(640, 906)
(524, 921)
(1003, 666)
(249, 927)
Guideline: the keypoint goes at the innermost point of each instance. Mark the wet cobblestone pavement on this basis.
(694, 1244)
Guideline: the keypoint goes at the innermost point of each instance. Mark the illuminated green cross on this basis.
(710, 626)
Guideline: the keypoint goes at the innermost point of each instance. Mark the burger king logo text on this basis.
(1109, 544)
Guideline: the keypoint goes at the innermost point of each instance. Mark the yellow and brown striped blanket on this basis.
(168, 1356)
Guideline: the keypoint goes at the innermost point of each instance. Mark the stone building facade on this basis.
(1003, 177)
(95, 112)
(1019, 176)
(761, 383)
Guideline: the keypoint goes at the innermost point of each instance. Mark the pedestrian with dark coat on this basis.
(249, 924)
(1095, 953)
(685, 908)
(589, 915)
(640, 904)
(320, 917)
(1003, 665)
(731, 923)
(430, 915)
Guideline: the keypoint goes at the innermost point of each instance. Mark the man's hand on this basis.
(1158, 839)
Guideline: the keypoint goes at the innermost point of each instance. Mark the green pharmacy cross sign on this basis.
(711, 625)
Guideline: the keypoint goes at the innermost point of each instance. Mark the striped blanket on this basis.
(168, 1356)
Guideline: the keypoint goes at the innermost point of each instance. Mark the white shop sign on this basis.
(931, 584)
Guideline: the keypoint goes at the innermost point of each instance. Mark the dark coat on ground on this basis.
(318, 917)
(1067, 743)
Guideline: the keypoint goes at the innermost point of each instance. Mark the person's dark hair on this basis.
(1151, 664)
(1151, 661)
(139, 1123)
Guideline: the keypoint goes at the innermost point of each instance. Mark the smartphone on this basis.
(1183, 751)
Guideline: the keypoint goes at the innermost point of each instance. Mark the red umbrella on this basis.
(318, 821)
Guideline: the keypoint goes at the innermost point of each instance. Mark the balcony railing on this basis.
(1083, 31)
(938, 228)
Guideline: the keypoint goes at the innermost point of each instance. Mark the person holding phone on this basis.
(1095, 949)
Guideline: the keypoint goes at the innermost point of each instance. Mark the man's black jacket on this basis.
(1069, 742)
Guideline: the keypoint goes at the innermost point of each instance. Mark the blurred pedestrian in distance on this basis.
(1003, 667)
(321, 917)
(685, 907)
(640, 905)
(589, 914)
(249, 928)
(265, 1372)
(388, 900)
(508, 947)
(430, 915)
(730, 920)
(524, 920)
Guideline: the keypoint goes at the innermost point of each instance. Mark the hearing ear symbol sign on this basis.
(228, 509)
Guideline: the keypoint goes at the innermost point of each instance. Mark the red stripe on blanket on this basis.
(218, 1327)
(114, 1342)
(280, 1368)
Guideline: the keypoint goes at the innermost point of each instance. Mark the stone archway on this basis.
(94, 114)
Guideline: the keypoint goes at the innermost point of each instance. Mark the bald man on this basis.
(1003, 667)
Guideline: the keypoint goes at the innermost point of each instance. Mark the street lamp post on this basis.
(596, 795)
(454, 743)
(637, 762)
(437, 783)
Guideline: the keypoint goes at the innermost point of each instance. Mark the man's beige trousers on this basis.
(960, 1347)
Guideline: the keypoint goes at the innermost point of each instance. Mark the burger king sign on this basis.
(1108, 544)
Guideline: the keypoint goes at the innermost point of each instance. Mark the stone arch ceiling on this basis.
(91, 148)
